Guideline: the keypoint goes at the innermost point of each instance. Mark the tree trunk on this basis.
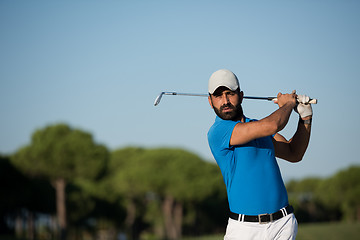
(19, 225)
(59, 185)
(178, 217)
(172, 212)
(30, 226)
(130, 219)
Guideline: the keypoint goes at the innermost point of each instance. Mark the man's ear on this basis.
(241, 95)
(210, 102)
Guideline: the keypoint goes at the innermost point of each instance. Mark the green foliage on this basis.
(342, 191)
(146, 177)
(79, 203)
(23, 192)
(327, 199)
(302, 195)
(303, 191)
(176, 172)
(141, 180)
(305, 185)
(61, 155)
(162, 171)
(59, 151)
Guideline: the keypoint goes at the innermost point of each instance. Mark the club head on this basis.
(158, 99)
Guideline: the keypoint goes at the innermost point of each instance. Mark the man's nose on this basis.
(225, 98)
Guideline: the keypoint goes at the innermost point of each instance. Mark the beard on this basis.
(235, 114)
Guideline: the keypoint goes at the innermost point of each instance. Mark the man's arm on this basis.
(246, 132)
(294, 149)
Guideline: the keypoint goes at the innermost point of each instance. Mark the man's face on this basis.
(227, 103)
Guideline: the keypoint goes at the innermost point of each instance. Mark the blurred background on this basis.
(92, 70)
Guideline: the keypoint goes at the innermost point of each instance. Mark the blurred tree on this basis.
(22, 193)
(12, 183)
(302, 195)
(124, 186)
(61, 154)
(116, 192)
(155, 185)
(342, 191)
(176, 177)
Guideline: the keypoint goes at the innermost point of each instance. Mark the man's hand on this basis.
(304, 107)
(283, 99)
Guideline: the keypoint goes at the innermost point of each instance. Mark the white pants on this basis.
(284, 228)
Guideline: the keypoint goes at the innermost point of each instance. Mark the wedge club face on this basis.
(158, 99)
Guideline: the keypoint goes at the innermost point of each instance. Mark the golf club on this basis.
(158, 98)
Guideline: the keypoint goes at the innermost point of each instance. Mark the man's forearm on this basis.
(281, 116)
(300, 140)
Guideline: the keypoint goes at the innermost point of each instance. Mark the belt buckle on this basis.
(265, 214)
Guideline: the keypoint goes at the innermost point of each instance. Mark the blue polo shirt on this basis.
(250, 171)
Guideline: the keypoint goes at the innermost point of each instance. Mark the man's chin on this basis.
(226, 116)
(234, 114)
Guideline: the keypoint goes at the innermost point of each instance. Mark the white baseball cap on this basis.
(225, 78)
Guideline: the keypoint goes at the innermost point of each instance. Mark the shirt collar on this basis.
(218, 119)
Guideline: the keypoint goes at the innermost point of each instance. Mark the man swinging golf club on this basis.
(245, 150)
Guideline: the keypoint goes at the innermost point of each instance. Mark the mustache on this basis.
(228, 105)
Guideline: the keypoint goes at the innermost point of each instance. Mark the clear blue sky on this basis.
(98, 66)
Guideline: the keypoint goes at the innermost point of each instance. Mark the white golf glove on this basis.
(303, 107)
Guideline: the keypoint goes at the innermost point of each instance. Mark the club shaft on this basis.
(186, 94)
(157, 101)
(206, 95)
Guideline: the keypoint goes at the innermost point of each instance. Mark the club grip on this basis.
(311, 101)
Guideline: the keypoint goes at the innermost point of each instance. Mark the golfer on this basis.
(245, 150)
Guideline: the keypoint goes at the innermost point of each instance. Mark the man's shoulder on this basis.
(222, 123)
(221, 126)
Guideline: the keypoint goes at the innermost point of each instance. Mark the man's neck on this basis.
(242, 119)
